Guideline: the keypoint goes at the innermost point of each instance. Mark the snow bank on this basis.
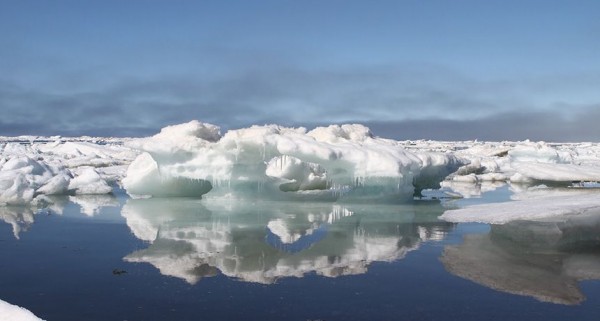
(11, 312)
(328, 163)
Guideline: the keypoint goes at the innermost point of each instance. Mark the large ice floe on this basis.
(345, 163)
(546, 205)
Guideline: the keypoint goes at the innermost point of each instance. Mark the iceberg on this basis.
(345, 163)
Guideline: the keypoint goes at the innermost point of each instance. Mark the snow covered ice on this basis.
(28, 171)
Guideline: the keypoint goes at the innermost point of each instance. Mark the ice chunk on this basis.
(566, 173)
(328, 163)
(15, 190)
(537, 152)
(57, 185)
(89, 182)
(296, 174)
(11, 312)
(144, 178)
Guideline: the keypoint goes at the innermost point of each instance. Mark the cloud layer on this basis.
(401, 102)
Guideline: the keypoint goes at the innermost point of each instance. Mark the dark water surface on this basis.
(113, 258)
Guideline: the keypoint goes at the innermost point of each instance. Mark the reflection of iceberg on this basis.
(264, 241)
(545, 260)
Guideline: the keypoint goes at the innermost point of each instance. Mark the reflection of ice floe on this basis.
(262, 242)
(544, 260)
(19, 217)
(92, 204)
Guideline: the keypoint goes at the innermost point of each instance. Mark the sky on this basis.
(445, 70)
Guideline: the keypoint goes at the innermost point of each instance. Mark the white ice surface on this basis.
(535, 208)
(10, 312)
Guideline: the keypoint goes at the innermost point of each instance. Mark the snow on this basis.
(11, 312)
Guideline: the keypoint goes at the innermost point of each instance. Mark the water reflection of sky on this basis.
(185, 257)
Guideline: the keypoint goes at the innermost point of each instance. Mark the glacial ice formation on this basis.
(327, 163)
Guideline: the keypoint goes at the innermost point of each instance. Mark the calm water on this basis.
(113, 258)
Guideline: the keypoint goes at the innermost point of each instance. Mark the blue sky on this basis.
(489, 70)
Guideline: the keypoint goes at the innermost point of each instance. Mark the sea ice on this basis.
(527, 209)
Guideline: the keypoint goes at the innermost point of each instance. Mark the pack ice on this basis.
(335, 163)
(29, 172)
